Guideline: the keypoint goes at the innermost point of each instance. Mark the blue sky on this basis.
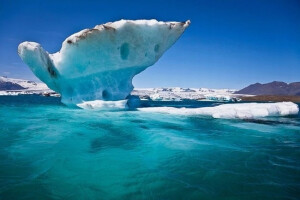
(229, 44)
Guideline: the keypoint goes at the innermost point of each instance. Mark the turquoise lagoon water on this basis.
(49, 151)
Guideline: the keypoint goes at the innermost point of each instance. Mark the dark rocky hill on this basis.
(10, 86)
(273, 88)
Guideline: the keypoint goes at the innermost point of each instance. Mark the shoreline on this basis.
(273, 98)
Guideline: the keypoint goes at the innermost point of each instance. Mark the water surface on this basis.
(49, 151)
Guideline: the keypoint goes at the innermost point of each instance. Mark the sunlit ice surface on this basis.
(50, 151)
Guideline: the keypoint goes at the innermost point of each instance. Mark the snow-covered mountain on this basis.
(12, 86)
(178, 93)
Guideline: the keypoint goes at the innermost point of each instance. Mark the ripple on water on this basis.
(48, 151)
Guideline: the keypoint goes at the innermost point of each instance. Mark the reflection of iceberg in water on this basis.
(99, 63)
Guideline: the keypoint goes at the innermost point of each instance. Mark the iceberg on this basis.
(231, 111)
(99, 63)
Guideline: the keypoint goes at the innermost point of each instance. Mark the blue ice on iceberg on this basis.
(99, 63)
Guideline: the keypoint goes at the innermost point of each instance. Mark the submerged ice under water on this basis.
(50, 151)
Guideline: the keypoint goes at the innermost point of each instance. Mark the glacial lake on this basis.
(50, 151)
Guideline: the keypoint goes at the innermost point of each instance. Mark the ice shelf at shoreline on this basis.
(230, 111)
(99, 63)
(179, 93)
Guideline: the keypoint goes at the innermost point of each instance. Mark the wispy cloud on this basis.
(6, 73)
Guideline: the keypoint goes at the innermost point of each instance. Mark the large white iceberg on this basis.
(229, 111)
(99, 63)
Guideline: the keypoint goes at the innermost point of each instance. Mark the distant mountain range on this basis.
(273, 88)
(19, 85)
(10, 86)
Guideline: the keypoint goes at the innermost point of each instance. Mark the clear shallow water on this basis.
(49, 151)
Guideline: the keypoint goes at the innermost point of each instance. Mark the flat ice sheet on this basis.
(229, 111)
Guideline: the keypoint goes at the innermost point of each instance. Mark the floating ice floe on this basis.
(103, 105)
(229, 111)
(99, 63)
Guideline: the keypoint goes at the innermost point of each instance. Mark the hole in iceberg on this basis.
(124, 51)
(105, 95)
(156, 48)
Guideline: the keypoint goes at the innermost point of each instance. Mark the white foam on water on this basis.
(230, 111)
